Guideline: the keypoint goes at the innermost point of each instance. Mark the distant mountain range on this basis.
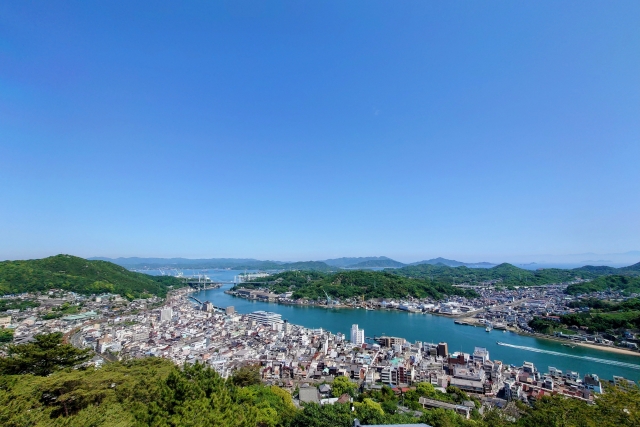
(334, 264)
(454, 263)
(380, 261)
(377, 263)
(254, 264)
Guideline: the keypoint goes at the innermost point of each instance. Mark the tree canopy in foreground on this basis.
(154, 392)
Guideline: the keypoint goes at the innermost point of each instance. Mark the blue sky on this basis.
(308, 130)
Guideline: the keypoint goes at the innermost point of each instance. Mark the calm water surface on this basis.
(429, 328)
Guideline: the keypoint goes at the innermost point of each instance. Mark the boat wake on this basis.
(556, 353)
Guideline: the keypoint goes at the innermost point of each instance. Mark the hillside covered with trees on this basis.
(603, 316)
(508, 274)
(624, 284)
(79, 275)
(356, 283)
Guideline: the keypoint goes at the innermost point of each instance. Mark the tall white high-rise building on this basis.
(166, 314)
(357, 335)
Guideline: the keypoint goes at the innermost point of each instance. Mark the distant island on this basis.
(454, 263)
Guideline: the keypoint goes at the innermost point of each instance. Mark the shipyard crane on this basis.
(328, 299)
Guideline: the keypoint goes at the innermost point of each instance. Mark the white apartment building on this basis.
(265, 317)
(357, 335)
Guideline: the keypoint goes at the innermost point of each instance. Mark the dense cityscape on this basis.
(319, 213)
(306, 361)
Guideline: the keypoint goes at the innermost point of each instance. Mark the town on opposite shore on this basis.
(185, 330)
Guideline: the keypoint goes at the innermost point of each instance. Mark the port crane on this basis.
(329, 300)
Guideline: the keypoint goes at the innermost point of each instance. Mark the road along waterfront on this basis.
(431, 328)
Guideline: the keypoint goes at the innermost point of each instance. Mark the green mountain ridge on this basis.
(626, 284)
(354, 284)
(509, 274)
(79, 275)
(377, 263)
(453, 263)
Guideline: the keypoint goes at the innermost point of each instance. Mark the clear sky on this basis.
(307, 130)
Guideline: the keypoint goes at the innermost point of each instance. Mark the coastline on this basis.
(610, 349)
(471, 321)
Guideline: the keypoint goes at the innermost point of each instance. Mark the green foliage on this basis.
(607, 306)
(559, 411)
(79, 275)
(439, 417)
(355, 284)
(114, 395)
(286, 281)
(17, 304)
(602, 322)
(377, 263)
(340, 415)
(342, 385)
(603, 316)
(543, 326)
(314, 415)
(624, 284)
(246, 376)
(154, 392)
(618, 407)
(45, 355)
(63, 310)
(6, 335)
(507, 274)
(147, 392)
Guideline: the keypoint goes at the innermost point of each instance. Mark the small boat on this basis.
(504, 331)
(488, 329)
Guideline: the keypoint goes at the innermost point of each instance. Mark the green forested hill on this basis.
(357, 283)
(632, 270)
(624, 284)
(377, 263)
(79, 275)
(509, 274)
